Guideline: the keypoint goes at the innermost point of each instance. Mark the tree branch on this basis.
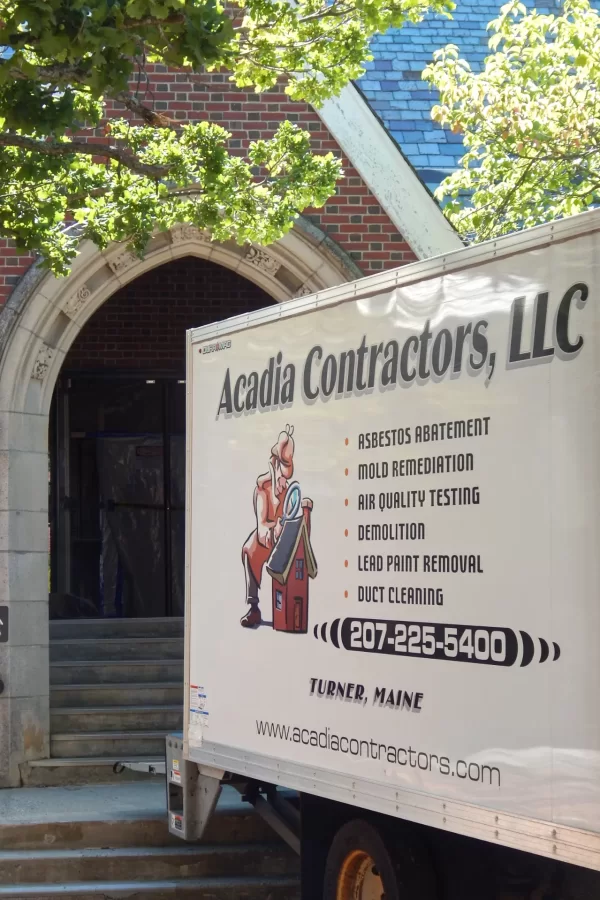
(501, 209)
(69, 73)
(150, 116)
(55, 74)
(83, 148)
(335, 9)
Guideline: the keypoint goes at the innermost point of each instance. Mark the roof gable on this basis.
(282, 557)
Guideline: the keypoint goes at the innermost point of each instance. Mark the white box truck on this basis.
(393, 574)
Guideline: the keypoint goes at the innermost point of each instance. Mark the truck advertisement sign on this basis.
(393, 514)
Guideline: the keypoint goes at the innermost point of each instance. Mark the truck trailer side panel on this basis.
(398, 480)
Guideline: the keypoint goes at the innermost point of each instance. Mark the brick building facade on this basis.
(353, 218)
(101, 353)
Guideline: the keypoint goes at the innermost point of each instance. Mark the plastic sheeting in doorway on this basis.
(132, 524)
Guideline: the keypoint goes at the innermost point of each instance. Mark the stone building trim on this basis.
(38, 325)
(390, 177)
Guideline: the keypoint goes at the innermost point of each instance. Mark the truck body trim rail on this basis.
(570, 845)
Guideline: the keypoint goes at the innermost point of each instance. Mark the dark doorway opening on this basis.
(117, 437)
(117, 496)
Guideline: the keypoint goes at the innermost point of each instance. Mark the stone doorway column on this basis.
(24, 715)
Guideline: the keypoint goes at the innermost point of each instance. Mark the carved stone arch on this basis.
(44, 314)
(38, 325)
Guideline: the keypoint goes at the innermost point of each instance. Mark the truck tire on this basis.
(366, 862)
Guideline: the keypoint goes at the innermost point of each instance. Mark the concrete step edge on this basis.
(234, 808)
(123, 888)
(117, 685)
(69, 761)
(78, 639)
(108, 620)
(116, 662)
(124, 620)
(193, 850)
(106, 735)
(90, 710)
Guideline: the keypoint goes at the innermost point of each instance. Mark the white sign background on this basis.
(535, 529)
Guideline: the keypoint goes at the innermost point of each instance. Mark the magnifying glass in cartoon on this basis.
(292, 502)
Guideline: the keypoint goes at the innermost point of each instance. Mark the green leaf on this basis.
(528, 120)
(70, 57)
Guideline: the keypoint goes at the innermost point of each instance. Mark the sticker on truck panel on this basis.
(198, 711)
(175, 773)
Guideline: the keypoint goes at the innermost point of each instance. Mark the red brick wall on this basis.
(352, 218)
(12, 267)
(143, 325)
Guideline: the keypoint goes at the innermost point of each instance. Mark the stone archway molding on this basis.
(44, 314)
(38, 325)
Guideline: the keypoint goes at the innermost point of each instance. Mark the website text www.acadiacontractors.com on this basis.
(370, 749)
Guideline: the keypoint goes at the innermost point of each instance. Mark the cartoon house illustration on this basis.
(290, 565)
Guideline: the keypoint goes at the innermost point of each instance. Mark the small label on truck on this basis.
(198, 712)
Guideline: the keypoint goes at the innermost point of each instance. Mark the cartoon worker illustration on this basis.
(269, 496)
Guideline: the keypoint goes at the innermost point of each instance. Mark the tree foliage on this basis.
(530, 120)
(64, 59)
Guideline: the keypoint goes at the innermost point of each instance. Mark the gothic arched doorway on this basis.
(117, 448)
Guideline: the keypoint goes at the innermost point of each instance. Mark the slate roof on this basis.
(395, 92)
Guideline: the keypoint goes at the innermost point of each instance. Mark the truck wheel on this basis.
(366, 864)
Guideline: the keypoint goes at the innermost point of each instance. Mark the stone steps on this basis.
(251, 888)
(116, 718)
(75, 771)
(134, 863)
(131, 815)
(66, 696)
(119, 744)
(115, 648)
(116, 691)
(138, 671)
(112, 841)
(69, 629)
